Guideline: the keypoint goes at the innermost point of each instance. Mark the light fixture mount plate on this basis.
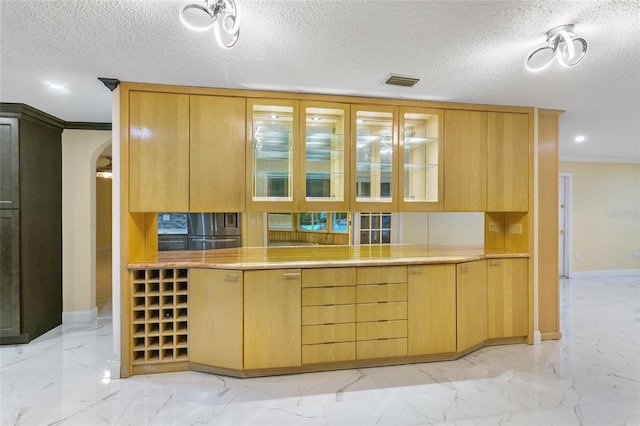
(553, 32)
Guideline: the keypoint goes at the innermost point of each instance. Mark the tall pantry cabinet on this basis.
(30, 223)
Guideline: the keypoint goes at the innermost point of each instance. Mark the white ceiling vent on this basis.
(401, 80)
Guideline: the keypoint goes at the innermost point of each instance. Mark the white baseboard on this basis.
(115, 370)
(605, 273)
(537, 337)
(72, 317)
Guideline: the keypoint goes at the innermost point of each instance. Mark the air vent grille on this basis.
(401, 80)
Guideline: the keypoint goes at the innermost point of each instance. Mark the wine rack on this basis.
(159, 316)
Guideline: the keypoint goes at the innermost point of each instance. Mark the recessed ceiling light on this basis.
(579, 139)
(57, 86)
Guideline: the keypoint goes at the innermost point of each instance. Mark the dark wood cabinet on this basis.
(30, 223)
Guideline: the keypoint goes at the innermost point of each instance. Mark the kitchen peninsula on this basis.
(254, 311)
(260, 311)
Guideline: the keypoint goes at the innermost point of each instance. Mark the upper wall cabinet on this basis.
(9, 163)
(217, 157)
(374, 186)
(158, 152)
(420, 177)
(508, 162)
(271, 164)
(325, 156)
(465, 161)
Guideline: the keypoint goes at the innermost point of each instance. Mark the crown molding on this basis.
(23, 111)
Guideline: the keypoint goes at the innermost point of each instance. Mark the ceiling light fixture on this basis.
(105, 171)
(561, 45)
(579, 139)
(59, 87)
(224, 13)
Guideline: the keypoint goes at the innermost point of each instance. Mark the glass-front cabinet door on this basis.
(374, 185)
(272, 144)
(324, 156)
(421, 159)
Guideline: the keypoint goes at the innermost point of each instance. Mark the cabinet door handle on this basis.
(415, 271)
(495, 263)
(464, 269)
(231, 277)
(292, 276)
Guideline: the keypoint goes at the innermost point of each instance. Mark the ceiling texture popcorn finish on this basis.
(464, 51)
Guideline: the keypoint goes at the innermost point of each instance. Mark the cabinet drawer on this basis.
(370, 349)
(328, 352)
(381, 311)
(328, 277)
(328, 314)
(328, 296)
(382, 293)
(382, 274)
(381, 330)
(312, 334)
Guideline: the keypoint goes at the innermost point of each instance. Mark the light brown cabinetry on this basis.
(158, 152)
(374, 153)
(272, 160)
(328, 315)
(217, 154)
(215, 318)
(508, 298)
(465, 161)
(420, 166)
(324, 156)
(472, 304)
(381, 312)
(272, 319)
(159, 316)
(432, 309)
(507, 162)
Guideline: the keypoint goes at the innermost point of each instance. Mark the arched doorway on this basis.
(103, 229)
(80, 152)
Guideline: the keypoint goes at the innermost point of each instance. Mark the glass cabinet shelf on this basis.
(272, 152)
(374, 155)
(324, 153)
(421, 143)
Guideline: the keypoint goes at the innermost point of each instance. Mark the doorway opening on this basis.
(103, 236)
(564, 224)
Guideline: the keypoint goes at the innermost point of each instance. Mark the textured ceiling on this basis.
(466, 51)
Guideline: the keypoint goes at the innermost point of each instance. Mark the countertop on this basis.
(247, 258)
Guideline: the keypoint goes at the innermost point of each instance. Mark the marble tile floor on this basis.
(589, 377)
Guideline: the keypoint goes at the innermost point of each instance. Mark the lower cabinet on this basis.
(272, 319)
(288, 318)
(508, 298)
(432, 309)
(328, 315)
(472, 304)
(10, 274)
(215, 318)
(381, 312)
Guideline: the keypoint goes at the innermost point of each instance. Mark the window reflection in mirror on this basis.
(308, 228)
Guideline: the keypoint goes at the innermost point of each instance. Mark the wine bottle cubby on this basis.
(159, 316)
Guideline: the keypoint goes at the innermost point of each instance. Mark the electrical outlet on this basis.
(494, 227)
(636, 254)
(577, 256)
(515, 228)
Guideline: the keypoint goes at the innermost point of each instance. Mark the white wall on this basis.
(80, 150)
(606, 218)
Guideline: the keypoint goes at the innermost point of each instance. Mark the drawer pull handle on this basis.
(231, 277)
(495, 263)
(292, 276)
(415, 271)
